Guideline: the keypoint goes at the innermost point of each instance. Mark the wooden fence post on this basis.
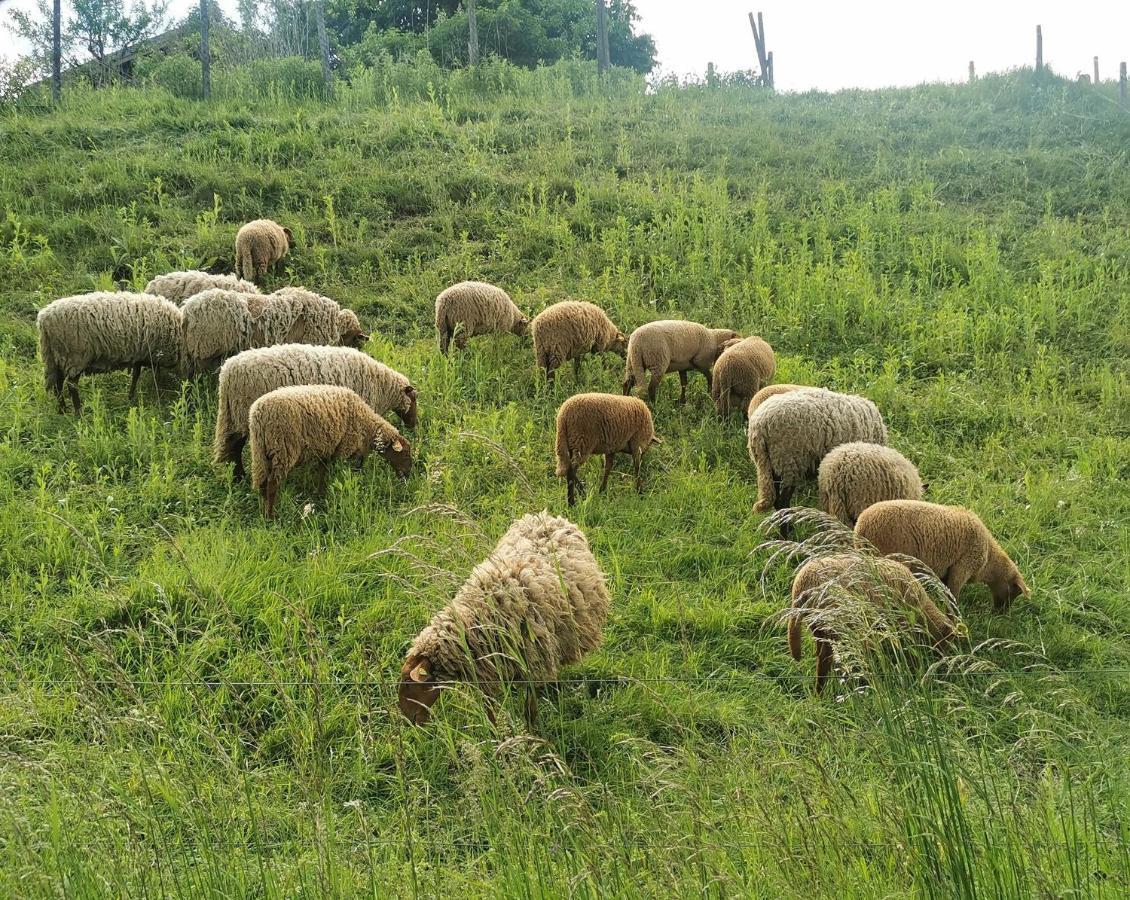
(769, 64)
(759, 46)
(324, 47)
(1096, 70)
(57, 51)
(601, 37)
(472, 33)
(1039, 49)
(1122, 83)
(205, 51)
(972, 72)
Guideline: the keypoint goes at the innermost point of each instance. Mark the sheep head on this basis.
(521, 326)
(620, 344)
(418, 689)
(397, 453)
(289, 237)
(1007, 587)
(409, 413)
(349, 326)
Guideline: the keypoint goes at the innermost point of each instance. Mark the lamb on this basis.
(739, 373)
(249, 375)
(536, 604)
(569, 330)
(298, 316)
(854, 476)
(478, 307)
(316, 423)
(105, 331)
(790, 434)
(258, 245)
(825, 589)
(772, 390)
(951, 541)
(672, 346)
(589, 424)
(179, 286)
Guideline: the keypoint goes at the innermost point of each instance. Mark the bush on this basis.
(177, 73)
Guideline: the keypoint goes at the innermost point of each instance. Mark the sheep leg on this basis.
(320, 481)
(576, 368)
(574, 485)
(784, 493)
(444, 340)
(608, 458)
(823, 664)
(55, 385)
(637, 462)
(629, 383)
(270, 494)
(134, 376)
(955, 580)
(234, 448)
(72, 388)
(549, 373)
(683, 386)
(653, 385)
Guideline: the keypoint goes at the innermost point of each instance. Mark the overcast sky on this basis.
(830, 44)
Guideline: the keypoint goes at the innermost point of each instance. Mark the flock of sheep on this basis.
(293, 384)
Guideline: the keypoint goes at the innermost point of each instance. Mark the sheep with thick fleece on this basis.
(744, 366)
(854, 476)
(825, 588)
(316, 423)
(791, 433)
(475, 307)
(590, 424)
(951, 541)
(772, 390)
(569, 330)
(179, 286)
(258, 246)
(296, 315)
(672, 346)
(538, 603)
(249, 375)
(105, 331)
(218, 323)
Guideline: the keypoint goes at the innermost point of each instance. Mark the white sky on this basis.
(833, 44)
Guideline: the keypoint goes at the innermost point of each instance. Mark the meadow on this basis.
(194, 701)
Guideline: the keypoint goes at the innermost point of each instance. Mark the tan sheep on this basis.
(590, 424)
(741, 370)
(672, 346)
(177, 287)
(826, 588)
(772, 390)
(536, 604)
(569, 330)
(475, 307)
(951, 541)
(296, 315)
(259, 245)
(854, 476)
(316, 423)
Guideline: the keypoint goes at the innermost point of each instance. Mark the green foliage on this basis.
(196, 702)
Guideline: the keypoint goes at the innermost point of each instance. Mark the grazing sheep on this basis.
(825, 589)
(478, 307)
(589, 424)
(536, 604)
(569, 330)
(772, 390)
(672, 346)
(298, 316)
(218, 323)
(790, 434)
(259, 245)
(950, 540)
(106, 331)
(854, 476)
(316, 423)
(177, 287)
(249, 375)
(741, 370)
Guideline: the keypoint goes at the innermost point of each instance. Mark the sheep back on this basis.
(179, 286)
(856, 475)
(773, 390)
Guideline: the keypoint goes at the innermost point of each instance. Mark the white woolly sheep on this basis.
(772, 390)
(590, 424)
(217, 324)
(951, 541)
(827, 592)
(258, 246)
(249, 375)
(316, 423)
(569, 330)
(536, 604)
(741, 370)
(475, 307)
(790, 434)
(179, 286)
(853, 476)
(298, 316)
(106, 331)
(672, 346)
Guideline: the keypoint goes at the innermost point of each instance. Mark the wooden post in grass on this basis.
(769, 62)
(1122, 83)
(472, 34)
(1096, 70)
(972, 72)
(1039, 49)
(601, 37)
(758, 27)
(205, 51)
(324, 47)
(57, 51)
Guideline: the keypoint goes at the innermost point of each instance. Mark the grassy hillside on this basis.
(196, 702)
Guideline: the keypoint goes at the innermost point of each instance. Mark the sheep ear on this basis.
(420, 673)
(410, 392)
(397, 446)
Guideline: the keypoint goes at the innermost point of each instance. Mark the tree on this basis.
(105, 27)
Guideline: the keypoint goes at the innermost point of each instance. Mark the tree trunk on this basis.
(324, 47)
(1039, 48)
(57, 51)
(472, 34)
(205, 51)
(601, 37)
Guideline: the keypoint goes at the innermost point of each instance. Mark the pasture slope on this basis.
(195, 702)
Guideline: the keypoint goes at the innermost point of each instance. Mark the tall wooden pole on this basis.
(205, 51)
(759, 45)
(472, 34)
(769, 68)
(972, 72)
(1122, 83)
(601, 37)
(324, 47)
(57, 51)
(1096, 70)
(1039, 49)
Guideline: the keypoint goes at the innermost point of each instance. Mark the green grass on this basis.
(196, 702)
